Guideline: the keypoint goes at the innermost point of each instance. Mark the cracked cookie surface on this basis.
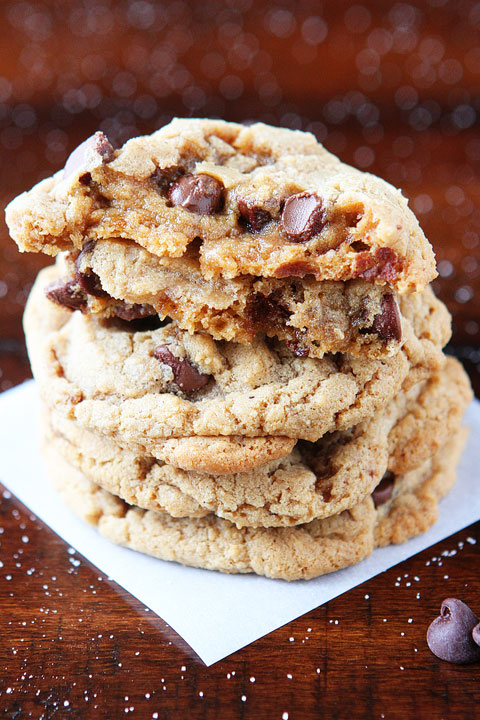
(301, 552)
(262, 200)
(315, 480)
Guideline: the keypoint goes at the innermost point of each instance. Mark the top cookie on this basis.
(264, 201)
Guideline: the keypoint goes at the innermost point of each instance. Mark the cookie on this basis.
(428, 417)
(145, 385)
(301, 552)
(315, 481)
(121, 279)
(259, 200)
(412, 504)
(220, 455)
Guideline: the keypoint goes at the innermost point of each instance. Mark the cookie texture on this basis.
(431, 414)
(264, 201)
(413, 506)
(314, 318)
(316, 480)
(142, 386)
(301, 552)
(220, 455)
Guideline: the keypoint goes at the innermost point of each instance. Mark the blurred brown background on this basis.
(391, 87)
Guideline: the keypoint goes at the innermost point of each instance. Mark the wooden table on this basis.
(73, 643)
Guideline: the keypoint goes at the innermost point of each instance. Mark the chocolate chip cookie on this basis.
(144, 385)
(256, 200)
(315, 480)
(120, 279)
(301, 552)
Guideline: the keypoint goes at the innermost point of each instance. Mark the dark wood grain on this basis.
(71, 636)
(393, 88)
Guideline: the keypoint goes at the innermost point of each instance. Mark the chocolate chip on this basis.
(88, 281)
(387, 323)
(382, 264)
(384, 490)
(96, 145)
(186, 376)
(135, 311)
(164, 177)
(303, 216)
(264, 313)
(137, 317)
(294, 269)
(67, 294)
(201, 194)
(252, 216)
(449, 636)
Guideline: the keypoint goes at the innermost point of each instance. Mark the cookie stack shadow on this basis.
(239, 355)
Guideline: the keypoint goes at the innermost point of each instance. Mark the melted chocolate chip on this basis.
(96, 145)
(186, 376)
(303, 216)
(200, 194)
(252, 216)
(164, 177)
(449, 636)
(381, 264)
(67, 294)
(264, 313)
(88, 281)
(295, 269)
(387, 323)
(384, 490)
(135, 311)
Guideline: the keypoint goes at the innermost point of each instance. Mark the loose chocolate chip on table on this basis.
(255, 218)
(303, 216)
(97, 144)
(449, 636)
(387, 323)
(384, 490)
(200, 194)
(67, 294)
(186, 376)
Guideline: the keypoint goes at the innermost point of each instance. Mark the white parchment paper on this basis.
(216, 614)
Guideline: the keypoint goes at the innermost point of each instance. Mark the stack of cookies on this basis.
(238, 354)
